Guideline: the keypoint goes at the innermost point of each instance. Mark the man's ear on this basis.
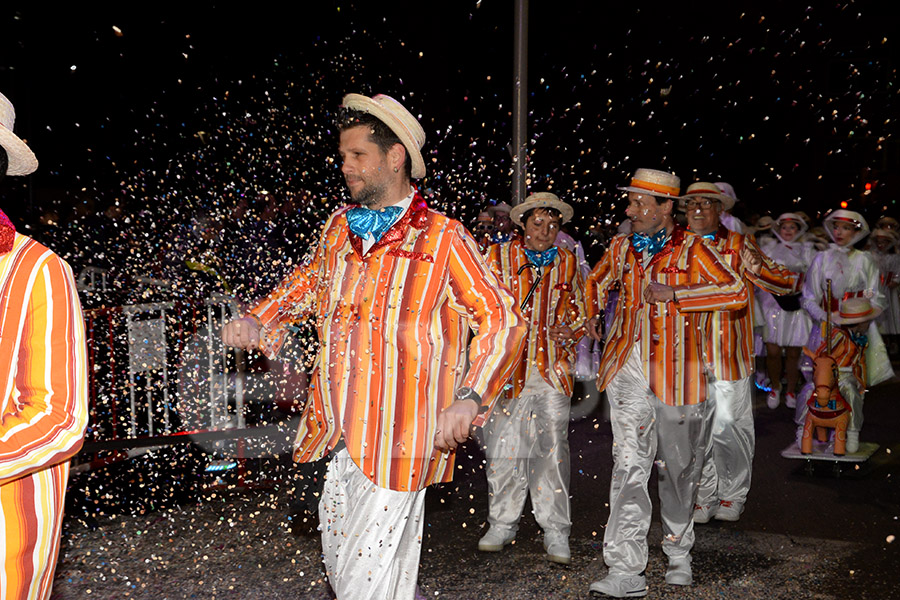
(667, 206)
(397, 156)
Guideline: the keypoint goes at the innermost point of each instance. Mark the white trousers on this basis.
(527, 449)
(728, 465)
(645, 428)
(371, 536)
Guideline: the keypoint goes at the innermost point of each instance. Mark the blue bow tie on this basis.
(709, 236)
(541, 259)
(363, 221)
(652, 243)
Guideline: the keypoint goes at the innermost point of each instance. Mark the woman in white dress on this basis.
(883, 247)
(853, 273)
(787, 325)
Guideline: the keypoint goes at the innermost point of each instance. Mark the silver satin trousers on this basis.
(646, 430)
(527, 449)
(728, 465)
(371, 536)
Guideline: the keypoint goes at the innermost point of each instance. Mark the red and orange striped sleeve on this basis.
(45, 395)
(720, 288)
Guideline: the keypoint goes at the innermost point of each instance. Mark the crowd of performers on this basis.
(427, 330)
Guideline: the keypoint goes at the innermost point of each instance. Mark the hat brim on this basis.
(836, 317)
(564, 209)
(22, 160)
(366, 104)
(647, 192)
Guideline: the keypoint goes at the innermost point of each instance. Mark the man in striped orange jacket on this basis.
(44, 404)
(654, 373)
(728, 465)
(394, 287)
(526, 442)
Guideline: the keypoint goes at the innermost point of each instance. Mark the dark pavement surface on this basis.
(815, 536)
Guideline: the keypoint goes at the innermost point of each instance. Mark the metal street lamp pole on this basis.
(520, 101)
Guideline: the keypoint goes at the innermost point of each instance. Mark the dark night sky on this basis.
(789, 101)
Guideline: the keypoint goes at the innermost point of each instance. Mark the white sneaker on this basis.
(557, 547)
(620, 585)
(790, 400)
(495, 539)
(852, 441)
(679, 571)
(772, 399)
(704, 512)
(729, 511)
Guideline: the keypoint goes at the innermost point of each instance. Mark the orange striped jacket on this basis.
(671, 335)
(44, 408)
(730, 339)
(559, 298)
(393, 326)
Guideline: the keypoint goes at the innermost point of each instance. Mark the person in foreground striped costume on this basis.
(654, 374)
(394, 287)
(728, 466)
(526, 442)
(44, 404)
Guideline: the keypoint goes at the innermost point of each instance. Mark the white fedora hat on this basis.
(22, 160)
(654, 183)
(541, 200)
(402, 123)
(704, 189)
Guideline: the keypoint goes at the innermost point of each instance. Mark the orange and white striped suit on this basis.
(557, 300)
(44, 408)
(730, 343)
(393, 325)
(672, 336)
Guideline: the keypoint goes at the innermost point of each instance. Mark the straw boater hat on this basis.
(703, 189)
(21, 159)
(500, 207)
(850, 216)
(394, 115)
(887, 222)
(654, 183)
(794, 218)
(855, 310)
(541, 200)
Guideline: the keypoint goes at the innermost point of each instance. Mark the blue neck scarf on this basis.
(653, 243)
(541, 259)
(363, 221)
(709, 236)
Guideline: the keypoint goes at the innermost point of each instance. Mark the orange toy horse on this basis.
(827, 408)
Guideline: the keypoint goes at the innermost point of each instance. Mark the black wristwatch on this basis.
(467, 393)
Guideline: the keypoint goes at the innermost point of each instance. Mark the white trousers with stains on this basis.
(371, 536)
(728, 464)
(527, 449)
(645, 429)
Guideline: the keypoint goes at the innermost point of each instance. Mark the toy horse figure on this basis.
(827, 408)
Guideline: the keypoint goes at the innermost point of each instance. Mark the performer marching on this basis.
(526, 441)
(853, 274)
(652, 369)
(728, 464)
(393, 287)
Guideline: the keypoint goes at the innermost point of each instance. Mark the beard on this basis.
(369, 194)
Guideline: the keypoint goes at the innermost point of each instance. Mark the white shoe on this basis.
(704, 512)
(620, 585)
(852, 441)
(790, 400)
(557, 547)
(773, 399)
(729, 511)
(495, 539)
(679, 571)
